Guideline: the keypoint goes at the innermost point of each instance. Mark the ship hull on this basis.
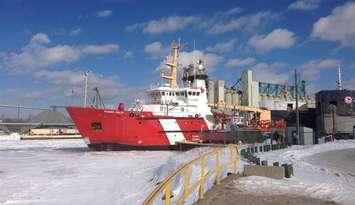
(107, 129)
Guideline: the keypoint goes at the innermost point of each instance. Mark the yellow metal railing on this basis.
(163, 193)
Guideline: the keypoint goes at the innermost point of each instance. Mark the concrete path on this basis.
(228, 194)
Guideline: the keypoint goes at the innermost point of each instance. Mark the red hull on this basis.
(124, 129)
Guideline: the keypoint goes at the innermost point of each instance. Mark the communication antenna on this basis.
(339, 81)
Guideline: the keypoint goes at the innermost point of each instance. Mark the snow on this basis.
(13, 136)
(67, 172)
(311, 178)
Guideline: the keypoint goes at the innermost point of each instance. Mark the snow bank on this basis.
(13, 136)
(176, 161)
(310, 179)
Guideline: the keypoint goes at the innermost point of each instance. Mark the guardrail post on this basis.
(233, 158)
(168, 193)
(187, 182)
(202, 180)
(218, 167)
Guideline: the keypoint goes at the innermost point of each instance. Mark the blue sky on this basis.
(47, 45)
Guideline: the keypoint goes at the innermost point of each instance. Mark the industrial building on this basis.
(335, 113)
(257, 94)
(47, 122)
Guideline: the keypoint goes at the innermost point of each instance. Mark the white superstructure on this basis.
(187, 101)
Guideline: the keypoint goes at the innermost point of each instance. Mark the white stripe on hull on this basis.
(172, 130)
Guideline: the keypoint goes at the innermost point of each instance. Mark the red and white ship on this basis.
(173, 114)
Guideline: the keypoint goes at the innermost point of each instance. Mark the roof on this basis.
(50, 116)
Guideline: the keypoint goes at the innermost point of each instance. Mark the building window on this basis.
(190, 93)
(333, 103)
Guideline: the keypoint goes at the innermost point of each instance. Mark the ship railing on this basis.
(190, 182)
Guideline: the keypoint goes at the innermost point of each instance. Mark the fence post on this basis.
(168, 193)
(187, 182)
(202, 181)
(233, 158)
(218, 167)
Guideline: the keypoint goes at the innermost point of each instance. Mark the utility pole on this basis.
(297, 111)
(86, 75)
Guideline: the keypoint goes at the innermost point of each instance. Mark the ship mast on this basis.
(172, 63)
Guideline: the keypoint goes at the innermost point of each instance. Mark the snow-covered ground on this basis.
(67, 172)
(316, 173)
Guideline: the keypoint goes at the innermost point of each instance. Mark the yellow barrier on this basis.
(165, 187)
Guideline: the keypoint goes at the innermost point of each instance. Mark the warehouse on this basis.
(335, 113)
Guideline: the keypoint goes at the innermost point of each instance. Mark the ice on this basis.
(318, 180)
(67, 172)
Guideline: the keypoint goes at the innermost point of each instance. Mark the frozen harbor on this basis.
(67, 172)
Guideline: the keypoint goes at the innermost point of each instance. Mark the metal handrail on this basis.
(165, 185)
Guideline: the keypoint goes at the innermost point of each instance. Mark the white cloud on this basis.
(311, 70)
(23, 96)
(37, 54)
(249, 23)
(210, 60)
(164, 25)
(134, 27)
(70, 79)
(339, 26)
(237, 62)
(104, 13)
(305, 5)
(40, 38)
(272, 73)
(156, 50)
(230, 12)
(169, 24)
(75, 32)
(217, 23)
(222, 47)
(128, 54)
(100, 49)
(277, 39)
